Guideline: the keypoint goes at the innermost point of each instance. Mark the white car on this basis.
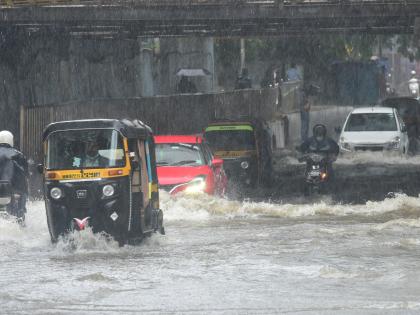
(374, 129)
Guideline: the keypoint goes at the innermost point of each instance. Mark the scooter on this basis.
(317, 173)
(9, 202)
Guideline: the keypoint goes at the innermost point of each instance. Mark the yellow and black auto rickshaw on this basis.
(245, 147)
(101, 173)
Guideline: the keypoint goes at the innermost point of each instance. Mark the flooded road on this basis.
(224, 257)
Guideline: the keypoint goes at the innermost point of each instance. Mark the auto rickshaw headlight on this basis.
(56, 193)
(244, 165)
(108, 190)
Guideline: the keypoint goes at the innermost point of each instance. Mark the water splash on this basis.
(378, 158)
(399, 211)
(86, 242)
(34, 234)
(367, 158)
(204, 207)
(399, 223)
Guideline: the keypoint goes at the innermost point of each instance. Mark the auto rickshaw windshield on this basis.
(73, 149)
(239, 139)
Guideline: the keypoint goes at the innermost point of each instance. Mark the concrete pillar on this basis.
(242, 54)
(146, 67)
(186, 53)
(417, 28)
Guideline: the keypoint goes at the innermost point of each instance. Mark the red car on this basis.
(185, 163)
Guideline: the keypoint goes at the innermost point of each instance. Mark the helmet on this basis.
(319, 132)
(6, 137)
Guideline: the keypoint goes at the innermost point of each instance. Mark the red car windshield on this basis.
(179, 154)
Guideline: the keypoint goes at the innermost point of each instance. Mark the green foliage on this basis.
(259, 49)
(315, 53)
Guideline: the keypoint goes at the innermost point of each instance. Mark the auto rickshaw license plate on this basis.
(81, 194)
(315, 173)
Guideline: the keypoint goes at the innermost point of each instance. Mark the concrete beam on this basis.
(210, 20)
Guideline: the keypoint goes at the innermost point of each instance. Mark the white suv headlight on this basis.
(395, 143)
(345, 146)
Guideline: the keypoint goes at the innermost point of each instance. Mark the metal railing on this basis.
(156, 3)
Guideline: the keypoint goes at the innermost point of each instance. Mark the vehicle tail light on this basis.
(115, 172)
(51, 175)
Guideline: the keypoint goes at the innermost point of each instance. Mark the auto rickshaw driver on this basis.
(92, 158)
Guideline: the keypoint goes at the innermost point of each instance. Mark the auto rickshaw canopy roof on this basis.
(401, 101)
(128, 128)
(244, 123)
(408, 108)
(228, 122)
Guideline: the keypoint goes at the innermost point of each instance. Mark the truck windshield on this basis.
(75, 149)
(230, 139)
(371, 122)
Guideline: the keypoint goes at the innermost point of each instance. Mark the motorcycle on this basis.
(9, 202)
(317, 173)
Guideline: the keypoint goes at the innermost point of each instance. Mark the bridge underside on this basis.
(268, 18)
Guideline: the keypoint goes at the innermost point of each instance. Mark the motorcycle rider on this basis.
(321, 143)
(14, 168)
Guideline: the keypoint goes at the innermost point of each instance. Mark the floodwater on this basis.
(224, 257)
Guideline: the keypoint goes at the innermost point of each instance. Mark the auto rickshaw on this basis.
(245, 147)
(101, 173)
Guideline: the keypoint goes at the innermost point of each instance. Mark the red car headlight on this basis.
(197, 185)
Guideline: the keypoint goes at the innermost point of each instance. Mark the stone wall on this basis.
(330, 116)
(56, 68)
(39, 69)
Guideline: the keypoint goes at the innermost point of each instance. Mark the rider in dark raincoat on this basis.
(14, 169)
(320, 143)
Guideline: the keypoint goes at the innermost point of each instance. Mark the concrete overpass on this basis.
(158, 18)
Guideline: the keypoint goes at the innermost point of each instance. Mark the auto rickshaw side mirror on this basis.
(133, 161)
(217, 163)
(40, 168)
(134, 164)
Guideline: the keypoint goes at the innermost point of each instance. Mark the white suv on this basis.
(374, 129)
